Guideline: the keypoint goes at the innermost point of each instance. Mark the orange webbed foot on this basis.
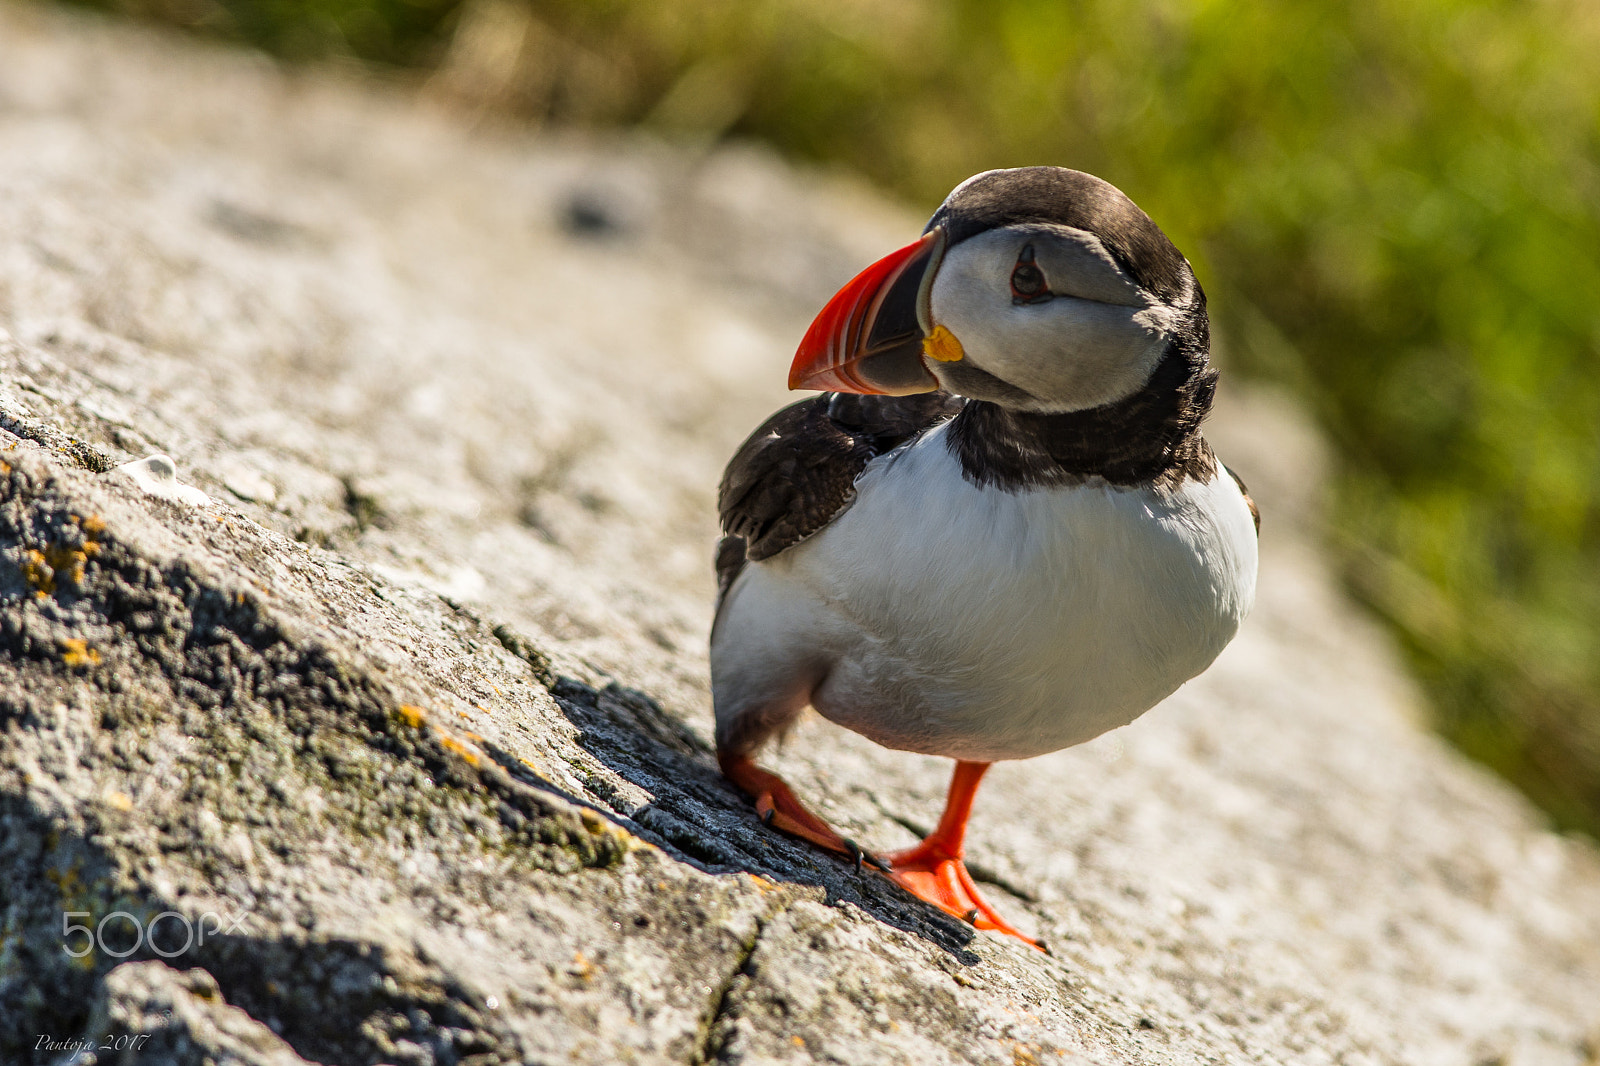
(778, 807)
(933, 870)
(929, 873)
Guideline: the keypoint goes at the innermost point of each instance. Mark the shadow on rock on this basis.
(700, 818)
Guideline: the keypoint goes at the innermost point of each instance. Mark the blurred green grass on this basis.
(1395, 206)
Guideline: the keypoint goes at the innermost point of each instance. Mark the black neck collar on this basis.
(1151, 436)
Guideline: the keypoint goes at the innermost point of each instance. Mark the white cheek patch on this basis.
(1113, 353)
(1069, 353)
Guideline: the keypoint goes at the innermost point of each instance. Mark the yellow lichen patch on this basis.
(67, 881)
(797, 1040)
(598, 825)
(581, 967)
(41, 569)
(69, 561)
(76, 902)
(37, 572)
(411, 716)
(120, 800)
(450, 743)
(74, 893)
(76, 652)
(92, 527)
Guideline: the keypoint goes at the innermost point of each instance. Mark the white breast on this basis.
(976, 623)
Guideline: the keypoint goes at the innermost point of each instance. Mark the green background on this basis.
(1394, 206)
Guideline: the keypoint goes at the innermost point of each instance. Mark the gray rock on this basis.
(404, 757)
(164, 1016)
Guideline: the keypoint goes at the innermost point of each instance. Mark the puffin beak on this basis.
(869, 338)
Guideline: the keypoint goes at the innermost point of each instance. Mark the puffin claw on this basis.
(767, 816)
(863, 857)
(876, 862)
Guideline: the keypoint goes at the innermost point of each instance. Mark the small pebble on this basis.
(157, 475)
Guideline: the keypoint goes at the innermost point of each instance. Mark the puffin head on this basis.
(1040, 289)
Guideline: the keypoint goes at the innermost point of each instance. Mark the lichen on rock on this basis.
(396, 748)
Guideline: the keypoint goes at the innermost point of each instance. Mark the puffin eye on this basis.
(1027, 280)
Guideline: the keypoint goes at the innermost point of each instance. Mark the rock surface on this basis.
(392, 746)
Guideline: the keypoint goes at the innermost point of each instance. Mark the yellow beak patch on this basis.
(942, 346)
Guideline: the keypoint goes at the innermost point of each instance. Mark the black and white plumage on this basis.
(1008, 535)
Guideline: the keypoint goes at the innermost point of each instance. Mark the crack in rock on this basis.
(724, 1005)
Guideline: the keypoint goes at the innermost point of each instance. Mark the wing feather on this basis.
(798, 470)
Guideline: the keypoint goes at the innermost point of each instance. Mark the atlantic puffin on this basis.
(999, 531)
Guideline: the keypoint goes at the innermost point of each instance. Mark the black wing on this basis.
(799, 469)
